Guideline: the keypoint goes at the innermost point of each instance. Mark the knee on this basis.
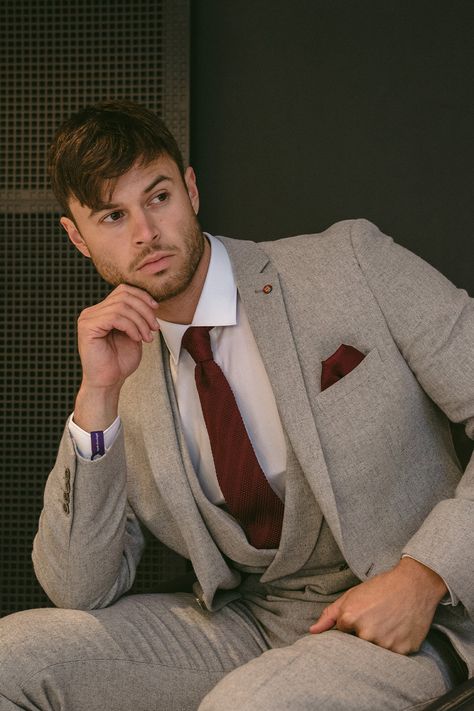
(30, 641)
(240, 690)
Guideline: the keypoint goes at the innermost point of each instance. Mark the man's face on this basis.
(147, 234)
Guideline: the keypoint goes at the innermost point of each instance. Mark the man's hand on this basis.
(110, 337)
(393, 610)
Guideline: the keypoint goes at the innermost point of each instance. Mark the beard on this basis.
(168, 283)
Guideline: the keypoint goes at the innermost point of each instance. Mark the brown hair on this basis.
(100, 143)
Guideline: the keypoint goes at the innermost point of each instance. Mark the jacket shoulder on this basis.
(347, 240)
(357, 234)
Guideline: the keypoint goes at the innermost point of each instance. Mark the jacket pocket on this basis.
(367, 372)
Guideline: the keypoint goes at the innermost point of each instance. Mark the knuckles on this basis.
(346, 620)
(403, 646)
(406, 647)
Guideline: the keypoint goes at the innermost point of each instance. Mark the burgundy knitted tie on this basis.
(248, 495)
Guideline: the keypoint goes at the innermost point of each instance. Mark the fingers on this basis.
(384, 610)
(127, 309)
(326, 621)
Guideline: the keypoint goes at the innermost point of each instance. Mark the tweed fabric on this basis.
(163, 653)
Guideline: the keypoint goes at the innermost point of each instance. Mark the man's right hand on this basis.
(110, 336)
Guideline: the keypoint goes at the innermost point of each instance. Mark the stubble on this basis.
(172, 281)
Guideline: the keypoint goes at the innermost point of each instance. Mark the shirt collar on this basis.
(217, 305)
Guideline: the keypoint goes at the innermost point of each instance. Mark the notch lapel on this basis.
(162, 434)
(268, 319)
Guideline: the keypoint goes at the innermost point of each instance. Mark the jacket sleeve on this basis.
(432, 323)
(89, 541)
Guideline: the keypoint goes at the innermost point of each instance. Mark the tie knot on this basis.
(197, 342)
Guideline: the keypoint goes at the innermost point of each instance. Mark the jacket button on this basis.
(66, 497)
(67, 474)
(200, 603)
(66, 508)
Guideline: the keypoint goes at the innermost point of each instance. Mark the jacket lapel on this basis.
(266, 312)
(162, 437)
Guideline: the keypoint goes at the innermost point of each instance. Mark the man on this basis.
(276, 413)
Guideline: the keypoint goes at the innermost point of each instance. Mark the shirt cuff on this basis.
(82, 439)
(450, 598)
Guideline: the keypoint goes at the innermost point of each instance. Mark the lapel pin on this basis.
(266, 289)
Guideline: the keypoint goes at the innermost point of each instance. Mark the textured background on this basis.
(55, 57)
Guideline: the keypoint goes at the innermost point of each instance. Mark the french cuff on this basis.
(450, 598)
(82, 439)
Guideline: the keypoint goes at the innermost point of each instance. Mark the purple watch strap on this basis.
(97, 444)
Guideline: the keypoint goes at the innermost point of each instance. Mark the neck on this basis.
(181, 308)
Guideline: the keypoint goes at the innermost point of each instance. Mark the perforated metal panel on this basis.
(56, 57)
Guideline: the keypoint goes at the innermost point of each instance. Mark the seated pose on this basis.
(278, 414)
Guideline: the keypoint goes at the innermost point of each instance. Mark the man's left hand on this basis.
(393, 610)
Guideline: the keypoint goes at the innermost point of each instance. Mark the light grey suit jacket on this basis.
(375, 447)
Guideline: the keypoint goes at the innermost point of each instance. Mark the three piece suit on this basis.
(371, 469)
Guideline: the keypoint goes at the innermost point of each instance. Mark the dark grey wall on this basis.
(307, 112)
(312, 111)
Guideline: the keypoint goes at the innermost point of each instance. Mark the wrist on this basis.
(430, 581)
(96, 408)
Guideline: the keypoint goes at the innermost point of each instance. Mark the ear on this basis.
(75, 236)
(191, 185)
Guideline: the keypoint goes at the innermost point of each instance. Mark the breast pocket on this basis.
(369, 372)
(354, 420)
(355, 416)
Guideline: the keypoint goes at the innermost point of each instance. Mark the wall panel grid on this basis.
(55, 58)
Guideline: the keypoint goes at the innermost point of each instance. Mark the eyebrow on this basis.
(114, 206)
(157, 180)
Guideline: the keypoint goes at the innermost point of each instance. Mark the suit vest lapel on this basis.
(301, 522)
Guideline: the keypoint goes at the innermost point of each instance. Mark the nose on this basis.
(144, 228)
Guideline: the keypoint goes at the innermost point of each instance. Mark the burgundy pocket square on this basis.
(339, 364)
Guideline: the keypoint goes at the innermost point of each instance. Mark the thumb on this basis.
(327, 619)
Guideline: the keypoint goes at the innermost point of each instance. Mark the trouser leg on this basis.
(145, 653)
(332, 671)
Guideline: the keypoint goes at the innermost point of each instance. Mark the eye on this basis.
(113, 216)
(160, 197)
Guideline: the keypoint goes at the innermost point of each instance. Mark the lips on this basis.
(155, 264)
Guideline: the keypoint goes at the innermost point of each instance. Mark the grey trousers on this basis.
(162, 652)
